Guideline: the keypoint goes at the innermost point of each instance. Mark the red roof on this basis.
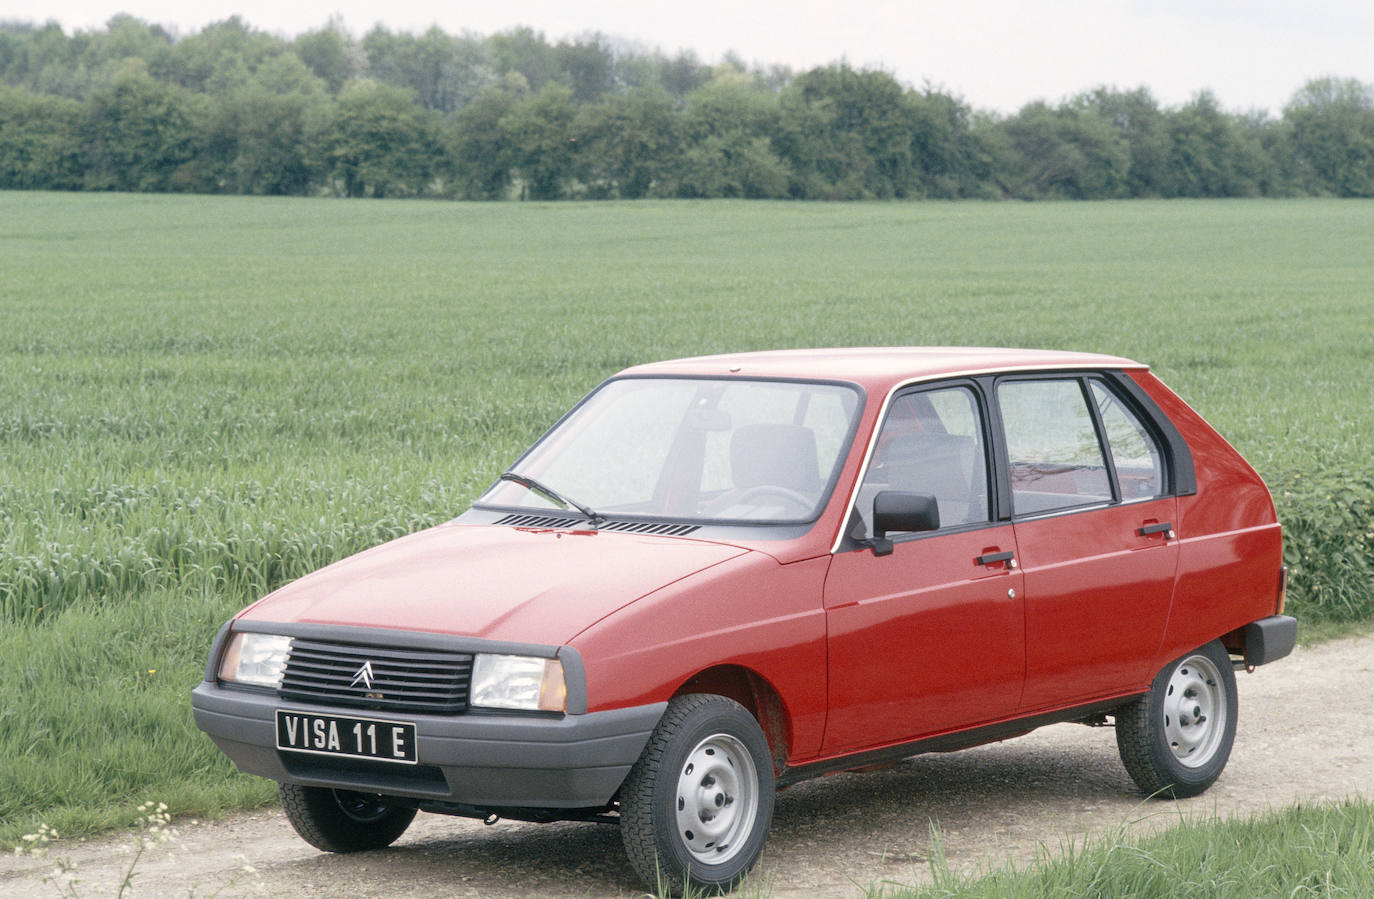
(882, 365)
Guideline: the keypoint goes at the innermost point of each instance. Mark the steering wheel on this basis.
(749, 494)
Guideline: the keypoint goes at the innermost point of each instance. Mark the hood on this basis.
(499, 583)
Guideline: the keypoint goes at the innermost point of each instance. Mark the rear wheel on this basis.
(1175, 740)
(696, 807)
(342, 820)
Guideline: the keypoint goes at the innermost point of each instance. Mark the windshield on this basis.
(690, 449)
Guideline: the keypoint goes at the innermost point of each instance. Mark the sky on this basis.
(995, 54)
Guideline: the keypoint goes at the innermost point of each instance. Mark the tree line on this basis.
(232, 109)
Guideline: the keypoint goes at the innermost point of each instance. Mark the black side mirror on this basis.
(896, 510)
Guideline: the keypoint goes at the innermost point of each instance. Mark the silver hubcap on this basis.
(717, 799)
(1195, 711)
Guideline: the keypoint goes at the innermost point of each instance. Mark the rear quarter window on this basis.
(1135, 453)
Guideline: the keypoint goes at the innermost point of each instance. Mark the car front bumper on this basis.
(476, 759)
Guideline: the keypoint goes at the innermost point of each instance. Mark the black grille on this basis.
(404, 680)
(630, 527)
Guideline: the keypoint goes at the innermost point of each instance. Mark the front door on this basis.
(929, 638)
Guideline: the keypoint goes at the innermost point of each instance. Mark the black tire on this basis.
(1175, 740)
(342, 820)
(696, 807)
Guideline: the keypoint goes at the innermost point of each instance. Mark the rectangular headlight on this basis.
(256, 660)
(518, 682)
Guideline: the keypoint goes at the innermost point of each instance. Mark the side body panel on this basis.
(750, 612)
(1230, 543)
(1097, 597)
(924, 640)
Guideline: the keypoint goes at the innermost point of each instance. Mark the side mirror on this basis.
(895, 510)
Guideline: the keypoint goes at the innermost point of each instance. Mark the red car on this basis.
(715, 577)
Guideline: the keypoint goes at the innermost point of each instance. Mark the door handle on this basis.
(990, 558)
(1163, 527)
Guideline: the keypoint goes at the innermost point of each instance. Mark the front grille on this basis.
(403, 680)
(630, 527)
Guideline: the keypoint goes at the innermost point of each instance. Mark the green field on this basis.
(203, 397)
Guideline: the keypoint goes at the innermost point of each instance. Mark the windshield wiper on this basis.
(551, 494)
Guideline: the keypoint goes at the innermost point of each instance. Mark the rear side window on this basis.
(1055, 459)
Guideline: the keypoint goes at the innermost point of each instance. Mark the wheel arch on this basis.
(758, 696)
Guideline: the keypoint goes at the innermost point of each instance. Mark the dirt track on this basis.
(1305, 732)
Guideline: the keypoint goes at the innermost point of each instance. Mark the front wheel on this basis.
(1175, 740)
(696, 807)
(342, 820)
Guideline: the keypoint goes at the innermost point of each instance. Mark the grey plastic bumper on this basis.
(496, 760)
(1269, 639)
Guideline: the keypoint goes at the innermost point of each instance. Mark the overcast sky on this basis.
(996, 54)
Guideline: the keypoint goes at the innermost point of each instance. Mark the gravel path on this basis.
(1305, 732)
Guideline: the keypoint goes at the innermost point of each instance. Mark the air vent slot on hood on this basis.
(630, 527)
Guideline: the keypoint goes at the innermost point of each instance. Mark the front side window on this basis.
(693, 449)
(1055, 460)
(931, 442)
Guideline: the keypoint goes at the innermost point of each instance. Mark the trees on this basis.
(1137, 118)
(728, 152)
(268, 136)
(734, 165)
(1210, 154)
(219, 58)
(381, 144)
(681, 74)
(46, 61)
(948, 159)
(478, 147)
(1331, 131)
(540, 143)
(234, 109)
(524, 51)
(629, 144)
(588, 66)
(139, 134)
(1065, 153)
(331, 55)
(445, 72)
(39, 150)
(847, 134)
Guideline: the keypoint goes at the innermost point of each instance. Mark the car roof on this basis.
(876, 367)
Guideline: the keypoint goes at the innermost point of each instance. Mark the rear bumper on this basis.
(485, 760)
(1269, 639)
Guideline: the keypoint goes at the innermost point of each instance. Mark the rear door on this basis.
(1094, 536)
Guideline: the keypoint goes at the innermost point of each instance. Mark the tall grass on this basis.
(1308, 850)
(201, 398)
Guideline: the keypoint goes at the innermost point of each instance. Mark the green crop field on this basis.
(201, 398)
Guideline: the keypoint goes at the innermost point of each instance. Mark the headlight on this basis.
(518, 682)
(256, 660)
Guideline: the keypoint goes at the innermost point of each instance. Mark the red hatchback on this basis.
(715, 577)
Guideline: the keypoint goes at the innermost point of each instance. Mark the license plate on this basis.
(337, 735)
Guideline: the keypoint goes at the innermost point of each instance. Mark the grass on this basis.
(201, 398)
(1307, 850)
